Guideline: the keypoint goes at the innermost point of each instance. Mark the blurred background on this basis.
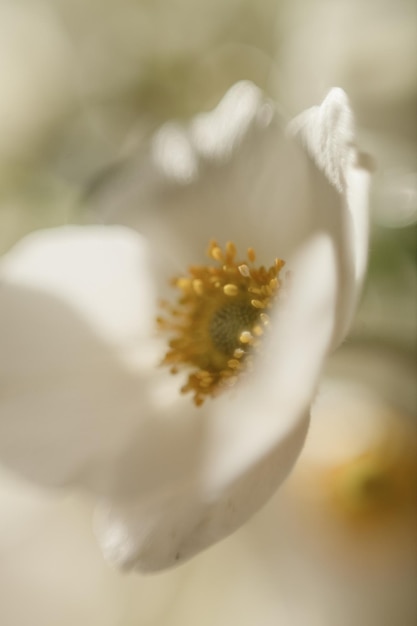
(83, 85)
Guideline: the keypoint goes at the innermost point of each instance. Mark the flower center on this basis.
(228, 323)
(220, 317)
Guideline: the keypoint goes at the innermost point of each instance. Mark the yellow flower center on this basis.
(219, 319)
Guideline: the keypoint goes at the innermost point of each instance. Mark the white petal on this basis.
(179, 152)
(249, 440)
(103, 272)
(76, 307)
(218, 134)
(229, 174)
(327, 132)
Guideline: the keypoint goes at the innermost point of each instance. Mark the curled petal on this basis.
(327, 131)
(328, 134)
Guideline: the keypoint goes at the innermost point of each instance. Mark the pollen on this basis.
(219, 319)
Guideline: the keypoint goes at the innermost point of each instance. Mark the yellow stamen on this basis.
(217, 322)
(257, 304)
(198, 286)
(244, 270)
(231, 290)
(245, 337)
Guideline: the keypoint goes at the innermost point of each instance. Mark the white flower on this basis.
(83, 401)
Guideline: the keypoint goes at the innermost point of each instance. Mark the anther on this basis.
(257, 304)
(216, 254)
(264, 319)
(230, 250)
(183, 283)
(198, 286)
(245, 337)
(244, 270)
(230, 290)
